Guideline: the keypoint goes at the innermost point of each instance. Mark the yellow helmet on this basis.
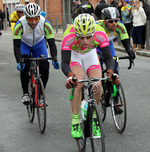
(84, 24)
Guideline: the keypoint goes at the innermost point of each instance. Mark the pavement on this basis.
(143, 52)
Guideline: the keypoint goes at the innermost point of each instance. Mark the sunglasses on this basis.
(20, 12)
(112, 21)
(33, 19)
(87, 37)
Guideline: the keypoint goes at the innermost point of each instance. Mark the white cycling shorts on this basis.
(87, 61)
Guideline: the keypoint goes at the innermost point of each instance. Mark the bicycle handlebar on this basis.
(35, 59)
(125, 57)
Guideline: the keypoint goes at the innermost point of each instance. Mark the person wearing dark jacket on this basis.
(88, 8)
(76, 9)
(102, 1)
(113, 3)
(146, 8)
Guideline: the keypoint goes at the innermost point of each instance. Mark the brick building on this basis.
(59, 9)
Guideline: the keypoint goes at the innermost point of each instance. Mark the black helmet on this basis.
(98, 9)
(110, 13)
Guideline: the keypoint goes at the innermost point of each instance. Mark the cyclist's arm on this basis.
(17, 32)
(128, 48)
(107, 57)
(65, 61)
(50, 38)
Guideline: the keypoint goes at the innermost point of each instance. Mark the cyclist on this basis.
(14, 17)
(79, 46)
(28, 36)
(113, 27)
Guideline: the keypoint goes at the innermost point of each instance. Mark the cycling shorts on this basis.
(37, 50)
(112, 49)
(87, 61)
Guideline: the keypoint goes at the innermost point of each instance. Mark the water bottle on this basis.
(84, 106)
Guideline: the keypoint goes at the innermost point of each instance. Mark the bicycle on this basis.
(97, 142)
(114, 96)
(36, 92)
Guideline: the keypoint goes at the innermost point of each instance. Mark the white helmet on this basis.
(32, 10)
(19, 7)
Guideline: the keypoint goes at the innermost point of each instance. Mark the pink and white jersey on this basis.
(70, 41)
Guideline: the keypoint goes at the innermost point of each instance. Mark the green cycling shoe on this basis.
(76, 131)
(96, 128)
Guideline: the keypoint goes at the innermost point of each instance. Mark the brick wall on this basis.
(1, 5)
(55, 9)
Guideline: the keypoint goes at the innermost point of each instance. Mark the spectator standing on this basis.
(3, 17)
(139, 21)
(0, 21)
(113, 3)
(146, 8)
(88, 8)
(126, 13)
(120, 5)
(8, 17)
(76, 9)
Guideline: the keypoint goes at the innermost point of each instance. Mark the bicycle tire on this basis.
(31, 105)
(97, 143)
(81, 142)
(119, 119)
(41, 108)
(102, 105)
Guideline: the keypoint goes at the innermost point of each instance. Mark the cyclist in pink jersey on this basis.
(78, 53)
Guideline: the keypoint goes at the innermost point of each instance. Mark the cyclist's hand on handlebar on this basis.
(71, 81)
(131, 54)
(56, 64)
(113, 76)
(20, 66)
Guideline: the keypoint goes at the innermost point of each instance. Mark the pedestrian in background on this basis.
(3, 17)
(0, 21)
(120, 5)
(139, 21)
(125, 14)
(113, 3)
(146, 8)
(88, 8)
(76, 9)
(8, 17)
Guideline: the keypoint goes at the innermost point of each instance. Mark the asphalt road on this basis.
(17, 134)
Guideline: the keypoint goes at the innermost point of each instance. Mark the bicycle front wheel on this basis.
(81, 142)
(31, 105)
(97, 141)
(41, 106)
(120, 115)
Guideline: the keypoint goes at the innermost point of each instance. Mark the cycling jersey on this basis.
(73, 51)
(13, 19)
(120, 30)
(70, 41)
(33, 38)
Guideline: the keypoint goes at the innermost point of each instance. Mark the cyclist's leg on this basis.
(38, 50)
(76, 101)
(25, 53)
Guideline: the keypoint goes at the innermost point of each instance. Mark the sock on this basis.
(75, 119)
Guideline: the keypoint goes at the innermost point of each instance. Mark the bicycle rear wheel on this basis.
(119, 118)
(41, 106)
(97, 142)
(31, 105)
(81, 142)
